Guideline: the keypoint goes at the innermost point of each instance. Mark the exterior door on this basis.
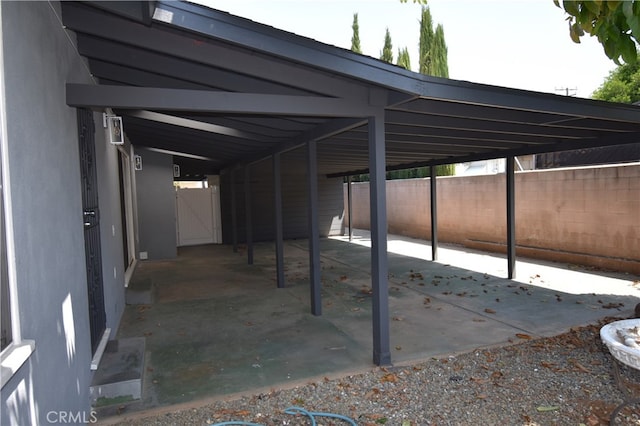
(91, 216)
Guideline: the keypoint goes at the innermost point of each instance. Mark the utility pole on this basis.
(567, 91)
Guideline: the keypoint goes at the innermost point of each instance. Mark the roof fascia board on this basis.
(156, 98)
(290, 46)
(90, 21)
(243, 32)
(521, 100)
(141, 11)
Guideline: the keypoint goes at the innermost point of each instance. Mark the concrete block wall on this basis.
(584, 215)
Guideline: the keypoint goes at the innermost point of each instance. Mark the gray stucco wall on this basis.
(42, 136)
(156, 205)
(111, 230)
(294, 201)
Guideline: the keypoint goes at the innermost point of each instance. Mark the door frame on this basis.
(128, 228)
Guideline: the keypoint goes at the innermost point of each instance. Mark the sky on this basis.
(523, 44)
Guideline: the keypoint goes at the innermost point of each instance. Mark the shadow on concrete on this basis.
(216, 326)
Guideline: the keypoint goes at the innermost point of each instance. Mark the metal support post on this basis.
(234, 212)
(350, 207)
(247, 211)
(434, 213)
(314, 230)
(379, 262)
(277, 191)
(511, 218)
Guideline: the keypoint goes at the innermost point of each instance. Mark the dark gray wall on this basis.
(294, 201)
(156, 205)
(39, 58)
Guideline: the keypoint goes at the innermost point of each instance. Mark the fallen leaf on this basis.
(581, 367)
(398, 319)
(523, 336)
(489, 311)
(389, 378)
(496, 375)
(547, 408)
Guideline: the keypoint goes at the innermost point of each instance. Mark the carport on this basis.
(223, 94)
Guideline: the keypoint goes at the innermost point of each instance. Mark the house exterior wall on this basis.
(156, 205)
(294, 202)
(111, 229)
(38, 59)
(586, 215)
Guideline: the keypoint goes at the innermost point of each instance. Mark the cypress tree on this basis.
(404, 60)
(355, 38)
(426, 40)
(387, 51)
(439, 65)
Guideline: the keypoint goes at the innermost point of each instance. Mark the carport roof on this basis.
(219, 91)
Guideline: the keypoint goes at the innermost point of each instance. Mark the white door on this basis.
(198, 216)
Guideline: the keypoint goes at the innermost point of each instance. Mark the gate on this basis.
(198, 216)
(91, 216)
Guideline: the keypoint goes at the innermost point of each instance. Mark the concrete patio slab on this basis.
(218, 326)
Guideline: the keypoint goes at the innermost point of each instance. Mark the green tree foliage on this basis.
(421, 172)
(439, 54)
(433, 48)
(622, 85)
(404, 60)
(426, 39)
(355, 38)
(616, 24)
(433, 60)
(387, 51)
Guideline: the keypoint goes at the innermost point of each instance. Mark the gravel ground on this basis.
(562, 380)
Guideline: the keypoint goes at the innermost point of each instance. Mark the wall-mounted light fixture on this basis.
(116, 132)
